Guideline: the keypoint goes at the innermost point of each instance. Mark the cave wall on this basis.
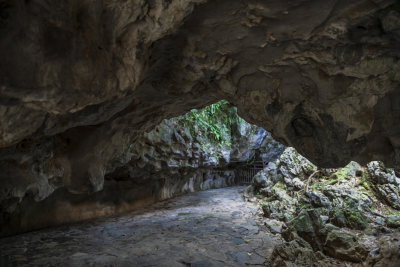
(117, 197)
(174, 158)
(81, 80)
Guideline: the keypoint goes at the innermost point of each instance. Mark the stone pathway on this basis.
(208, 228)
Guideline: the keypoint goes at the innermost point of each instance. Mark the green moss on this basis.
(364, 194)
(301, 205)
(348, 215)
(355, 219)
(296, 159)
(339, 175)
(303, 223)
(184, 213)
(280, 185)
(337, 217)
(279, 177)
(390, 211)
(322, 184)
(364, 182)
(393, 222)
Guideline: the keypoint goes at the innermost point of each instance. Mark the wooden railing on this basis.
(245, 173)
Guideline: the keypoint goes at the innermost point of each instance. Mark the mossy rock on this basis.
(295, 254)
(348, 171)
(355, 219)
(364, 182)
(303, 223)
(344, 245)
(280, 185)
(337, 217)
(393, 221)
(347, 216)
(324, 182)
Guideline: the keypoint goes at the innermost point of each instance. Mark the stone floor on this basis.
(208, 228)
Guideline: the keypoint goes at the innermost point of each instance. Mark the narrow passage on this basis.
(207, 228)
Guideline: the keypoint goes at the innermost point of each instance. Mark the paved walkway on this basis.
(208, 228)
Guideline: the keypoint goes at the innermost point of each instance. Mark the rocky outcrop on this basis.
(296, 253)
(387, 253)
(385, 183)
(81, 80)
(323, 210)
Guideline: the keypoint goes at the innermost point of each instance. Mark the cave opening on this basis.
(86, 86)
(208, 188)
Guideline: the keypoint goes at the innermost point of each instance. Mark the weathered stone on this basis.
(385, 183)
(387, 254)
(260, 180)
(344, 245)
(318, 200)
(294, 165)
(80, 81)
(297, 184)
(274, 226)
(393, 221)
(349, 170)
(294, 254)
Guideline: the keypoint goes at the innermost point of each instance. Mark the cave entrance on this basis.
(226, 142)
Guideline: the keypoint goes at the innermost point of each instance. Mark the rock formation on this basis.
(177, 156)
(80, 81)
(320, 212)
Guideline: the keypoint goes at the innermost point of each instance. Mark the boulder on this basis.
(293, 254)
(344, 245)
(385, 183)
(387, 253)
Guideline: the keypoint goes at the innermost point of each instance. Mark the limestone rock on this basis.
(293, 165)
(293, 253)
(385, 183)
(344, 245)
(274, 226)
(387, 254)
(318, 200)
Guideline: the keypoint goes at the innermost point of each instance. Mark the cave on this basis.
(97, 98)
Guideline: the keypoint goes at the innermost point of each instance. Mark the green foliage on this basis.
(212, 122)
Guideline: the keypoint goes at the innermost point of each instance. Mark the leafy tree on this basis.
(212, 122)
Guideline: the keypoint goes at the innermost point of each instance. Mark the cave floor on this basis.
(208, 228)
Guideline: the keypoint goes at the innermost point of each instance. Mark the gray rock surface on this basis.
(80, 81)
(388, 253)
(325, 215)
(208, 228)
(385, 183)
